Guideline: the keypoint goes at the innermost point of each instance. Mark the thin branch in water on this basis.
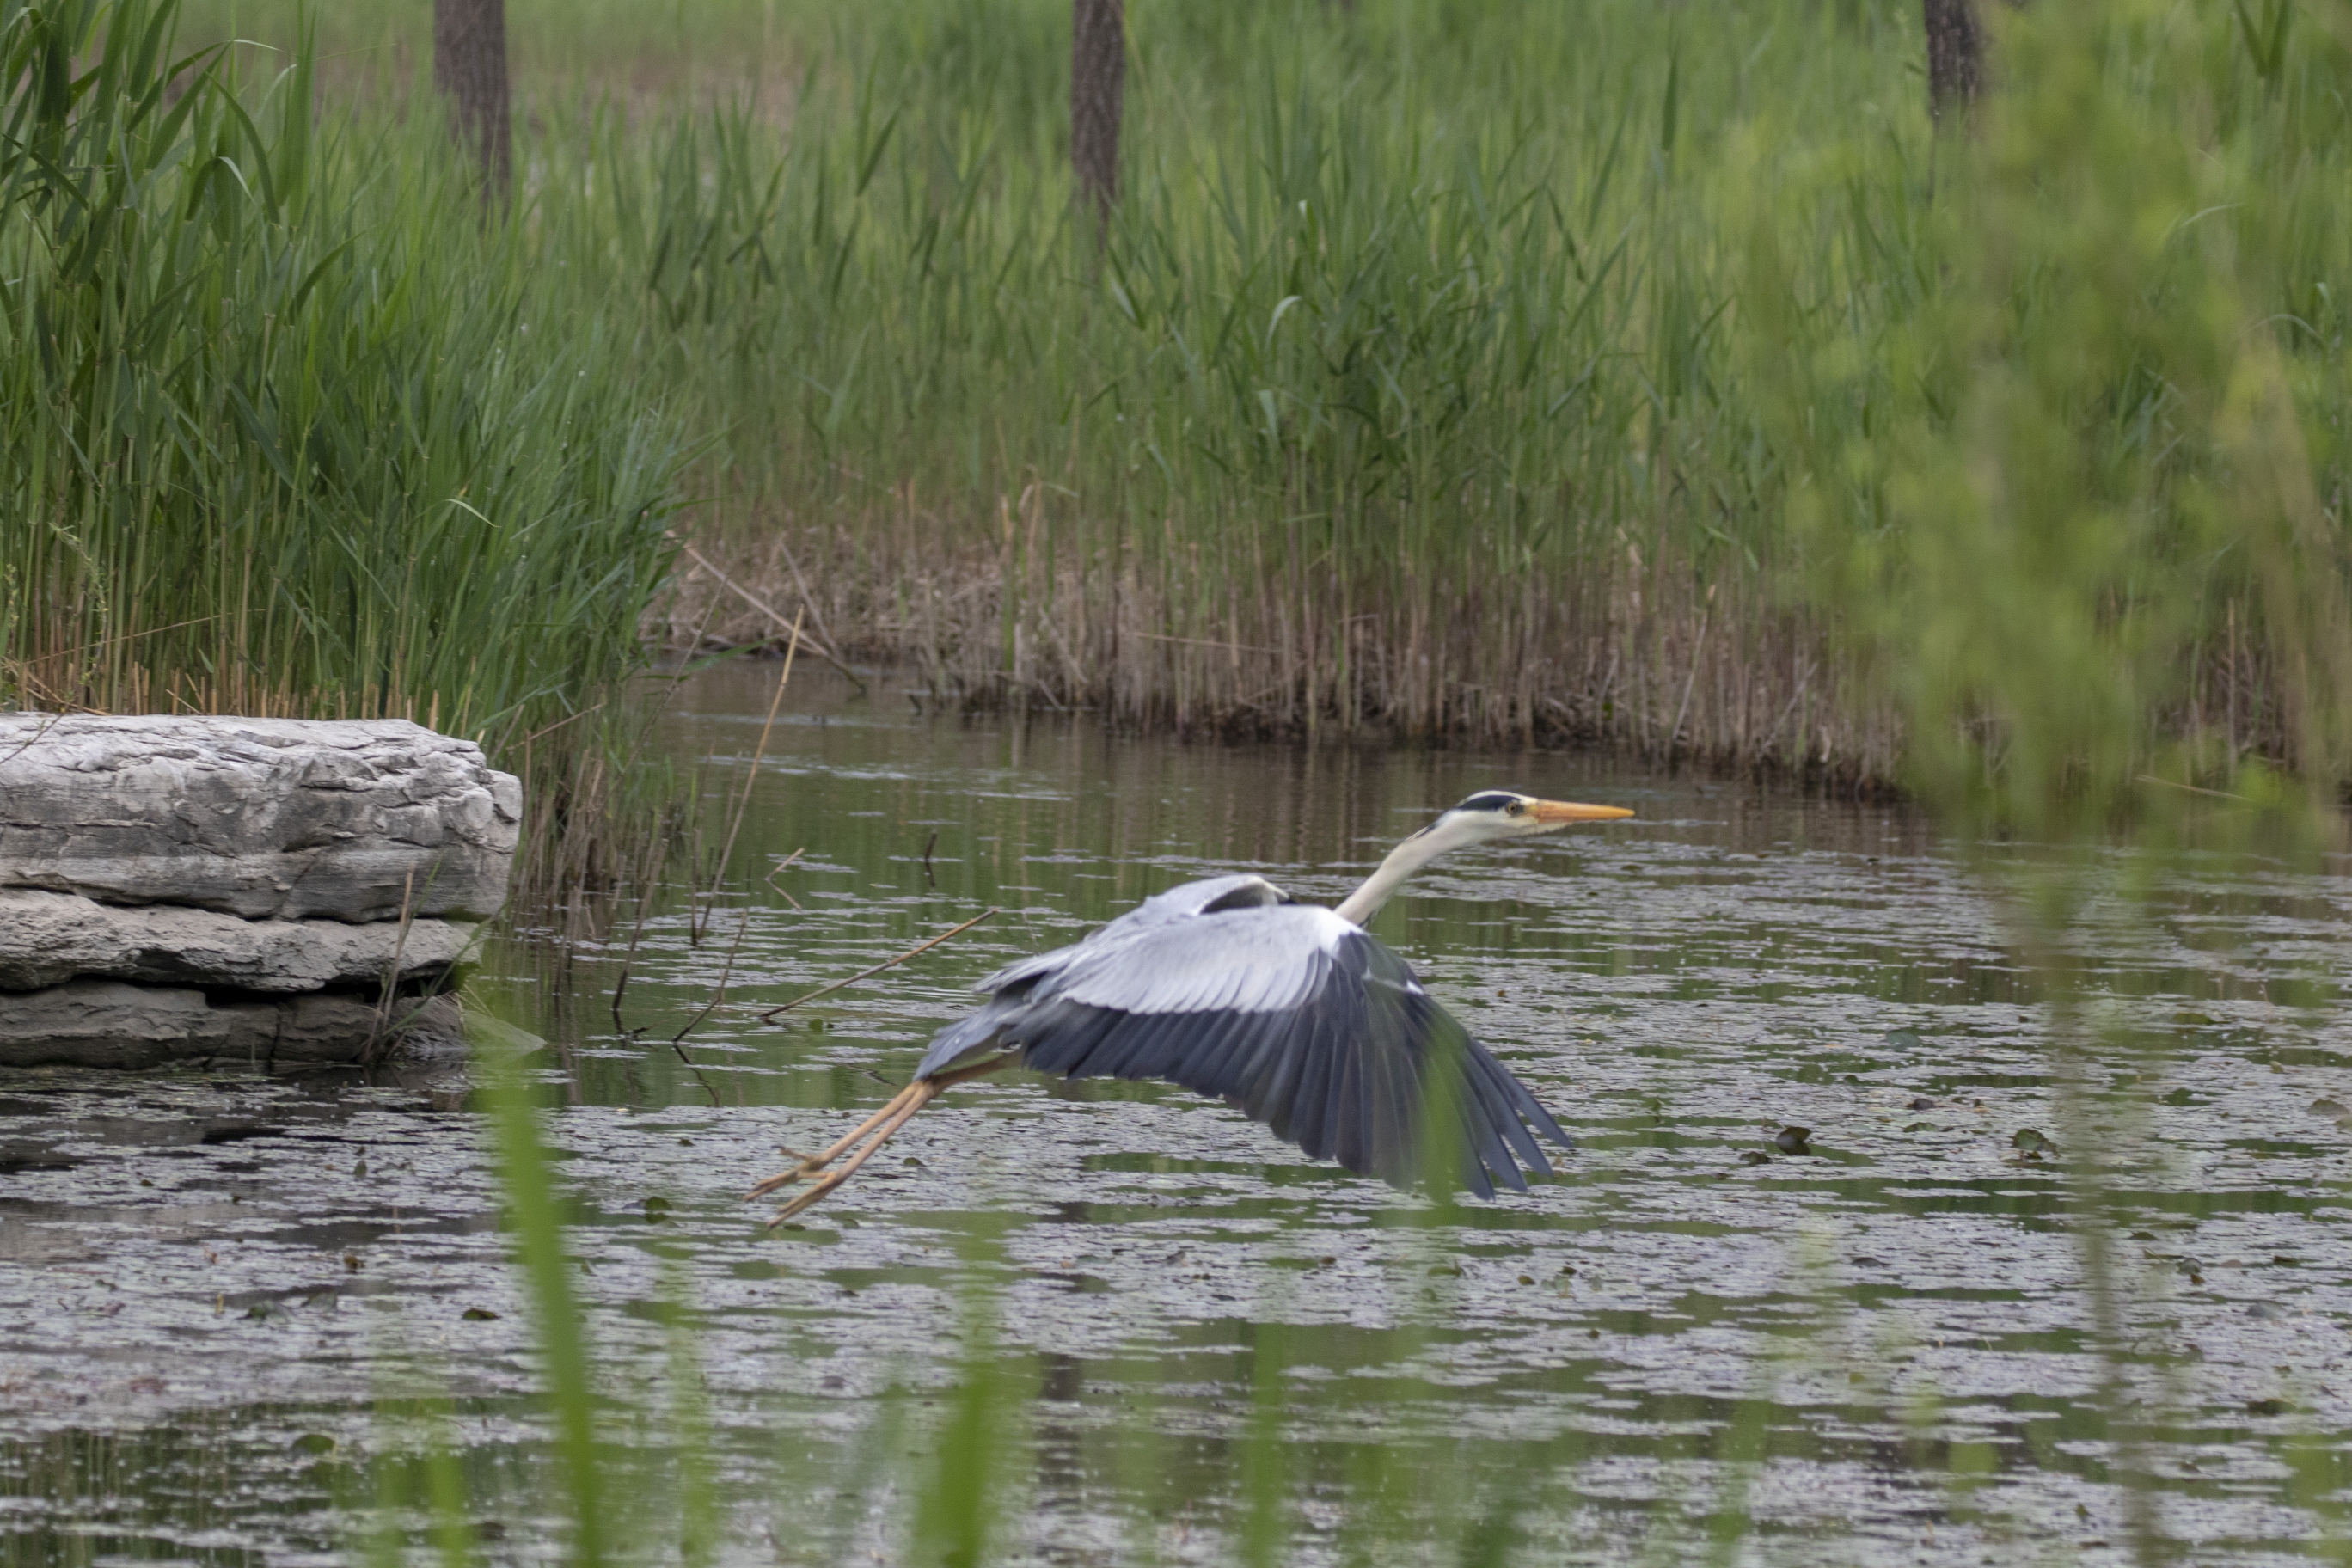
(779, 869)
(550, 729)
(645, 907)
(128, 637)
(389, 989)
(2193, 789)
(930, 845)
(807, 598)
(769, 1016)
(678, 1041)
(752, 774)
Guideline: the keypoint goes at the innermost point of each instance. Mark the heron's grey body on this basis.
(1291, 1012)
(1288, 1011)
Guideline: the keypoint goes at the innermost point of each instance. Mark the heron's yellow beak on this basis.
(1569, 811)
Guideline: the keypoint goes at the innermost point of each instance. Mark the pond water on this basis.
(228, 1306)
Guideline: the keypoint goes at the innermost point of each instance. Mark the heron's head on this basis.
(1495, 814)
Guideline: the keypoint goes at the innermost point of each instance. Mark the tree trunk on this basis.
(469, 64)
(1097, 89)
(1955, 55)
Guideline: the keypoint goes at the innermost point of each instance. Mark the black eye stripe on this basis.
(1489, 800)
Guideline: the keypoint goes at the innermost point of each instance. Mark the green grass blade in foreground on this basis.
(526, 1179)
(701, 1517)
(429, 1480)
(960, 1505)
(1263, 1455)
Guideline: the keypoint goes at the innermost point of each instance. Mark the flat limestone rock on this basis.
(112, 1024)
(46, 938)
(262, 818)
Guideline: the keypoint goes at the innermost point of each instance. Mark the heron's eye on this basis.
(1515, 809)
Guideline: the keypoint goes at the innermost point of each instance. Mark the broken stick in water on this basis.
(769, 1016)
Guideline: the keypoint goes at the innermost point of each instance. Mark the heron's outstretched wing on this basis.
(1296, 1016)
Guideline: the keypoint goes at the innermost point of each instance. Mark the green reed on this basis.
(1513, 371)
(1508, 372)
(280, 429)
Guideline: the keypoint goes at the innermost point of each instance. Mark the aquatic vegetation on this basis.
(280, 430)
(1601, 371)
(1534, 372)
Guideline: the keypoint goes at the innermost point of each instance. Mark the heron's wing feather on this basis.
(1183, 903)
(1295, 1015)
(1253, 959)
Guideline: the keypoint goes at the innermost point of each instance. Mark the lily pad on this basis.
(2029, 1141)
(1754, 1157)
(1794, 1140)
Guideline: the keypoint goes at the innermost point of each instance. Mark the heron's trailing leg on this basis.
(812, 1163)
(872, 1133)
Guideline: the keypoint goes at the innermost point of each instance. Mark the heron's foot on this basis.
(800, 1172)
(811, 1198)
(896, 1114)
(810, 1164)
(862, 1142)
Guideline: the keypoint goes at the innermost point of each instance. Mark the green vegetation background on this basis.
(1647, 373)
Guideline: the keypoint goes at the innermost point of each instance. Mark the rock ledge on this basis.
(349, 819)
(272, 891)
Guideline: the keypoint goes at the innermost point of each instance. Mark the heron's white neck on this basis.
(1402, 861)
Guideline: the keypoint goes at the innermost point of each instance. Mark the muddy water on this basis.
(226, 1307)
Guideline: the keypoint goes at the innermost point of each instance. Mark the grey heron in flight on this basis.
(1291, 1012)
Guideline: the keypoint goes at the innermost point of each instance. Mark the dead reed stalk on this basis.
(1635, 652)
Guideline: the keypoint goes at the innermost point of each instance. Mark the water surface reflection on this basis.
(212, 1286)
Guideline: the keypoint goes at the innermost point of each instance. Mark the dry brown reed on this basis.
(1632, 653)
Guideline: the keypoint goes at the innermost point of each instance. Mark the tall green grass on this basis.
(281, 430)
(1508, 371)
(1499, 371)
